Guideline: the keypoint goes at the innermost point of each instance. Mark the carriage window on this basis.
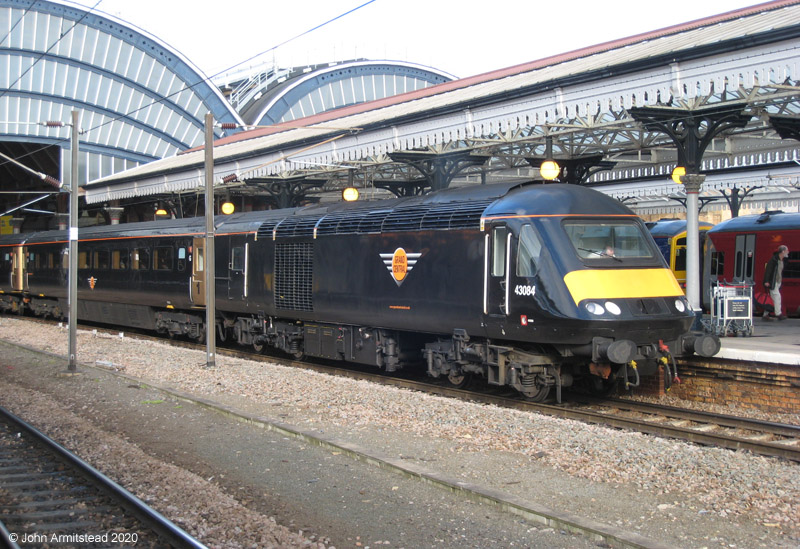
(120, 259)
(680, 259)
(83, 260)
(198, 260)
(140, 259)
(101, 258)
(530, 248)
(237, 258)
(738, 266)
(162, 258)
(791, 267)
(600, 240)
(717, 263)
(499, 247)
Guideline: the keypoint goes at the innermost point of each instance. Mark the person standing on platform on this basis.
(773, 276)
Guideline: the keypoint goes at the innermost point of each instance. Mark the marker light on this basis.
(595, 308)
(613, 308)
(679, 305)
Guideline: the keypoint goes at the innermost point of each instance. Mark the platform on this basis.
(772, 341)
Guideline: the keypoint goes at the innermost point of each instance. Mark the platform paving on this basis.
(771, 341)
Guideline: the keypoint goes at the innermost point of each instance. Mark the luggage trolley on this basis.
(731, 309)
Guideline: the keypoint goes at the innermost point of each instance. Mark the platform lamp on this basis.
(227, 207)
(677, 173)
(350, 193)
(549, 169)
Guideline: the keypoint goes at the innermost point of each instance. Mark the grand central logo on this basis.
(399, 264)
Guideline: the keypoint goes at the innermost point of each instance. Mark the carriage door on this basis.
(198, 281)
(745, 258)
(496, 272)
(237, 268)
(19, 269)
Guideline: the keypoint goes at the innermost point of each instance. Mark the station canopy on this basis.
(589, 109)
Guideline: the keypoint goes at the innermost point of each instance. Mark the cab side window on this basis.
(499, 248)
(529, 252)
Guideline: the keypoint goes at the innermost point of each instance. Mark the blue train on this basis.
(529, 286)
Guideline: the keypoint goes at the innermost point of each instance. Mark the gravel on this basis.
(730, 491)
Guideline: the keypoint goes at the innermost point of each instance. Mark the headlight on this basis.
(595, 308)
(679, 305)
(613, 308)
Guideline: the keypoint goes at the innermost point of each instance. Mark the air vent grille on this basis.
(294, 270)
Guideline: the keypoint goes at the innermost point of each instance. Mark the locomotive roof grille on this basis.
(436, 216)
(297, 226)
(266, 228)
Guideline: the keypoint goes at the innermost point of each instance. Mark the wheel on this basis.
(536, 393)
(533, 389)
(459, 380)
(258, 347)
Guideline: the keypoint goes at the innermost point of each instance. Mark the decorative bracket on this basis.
(690, 131)
(438, 169)
(286, 193)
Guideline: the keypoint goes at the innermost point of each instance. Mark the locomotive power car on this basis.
(526, 285)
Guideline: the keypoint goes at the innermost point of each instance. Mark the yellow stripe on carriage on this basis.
(621, 283)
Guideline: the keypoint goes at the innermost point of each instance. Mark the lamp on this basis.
(549, 169)
(227, 207)
(677, 173)
(350, 194)
(161, 211)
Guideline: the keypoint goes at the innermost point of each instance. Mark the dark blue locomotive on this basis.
(530, 286)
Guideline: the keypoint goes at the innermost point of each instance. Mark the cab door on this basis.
(237, 269)
(198, 280)
(19, 269)
(496, 274)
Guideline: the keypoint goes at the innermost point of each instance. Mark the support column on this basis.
(114, 214)
(693, 183)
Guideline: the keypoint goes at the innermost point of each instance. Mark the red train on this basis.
(737, 251)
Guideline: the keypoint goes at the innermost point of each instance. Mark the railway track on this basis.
(53, 498)
(700, 427)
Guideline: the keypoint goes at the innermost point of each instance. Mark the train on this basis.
(529, 286)
(670, 237)
(737, 251)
